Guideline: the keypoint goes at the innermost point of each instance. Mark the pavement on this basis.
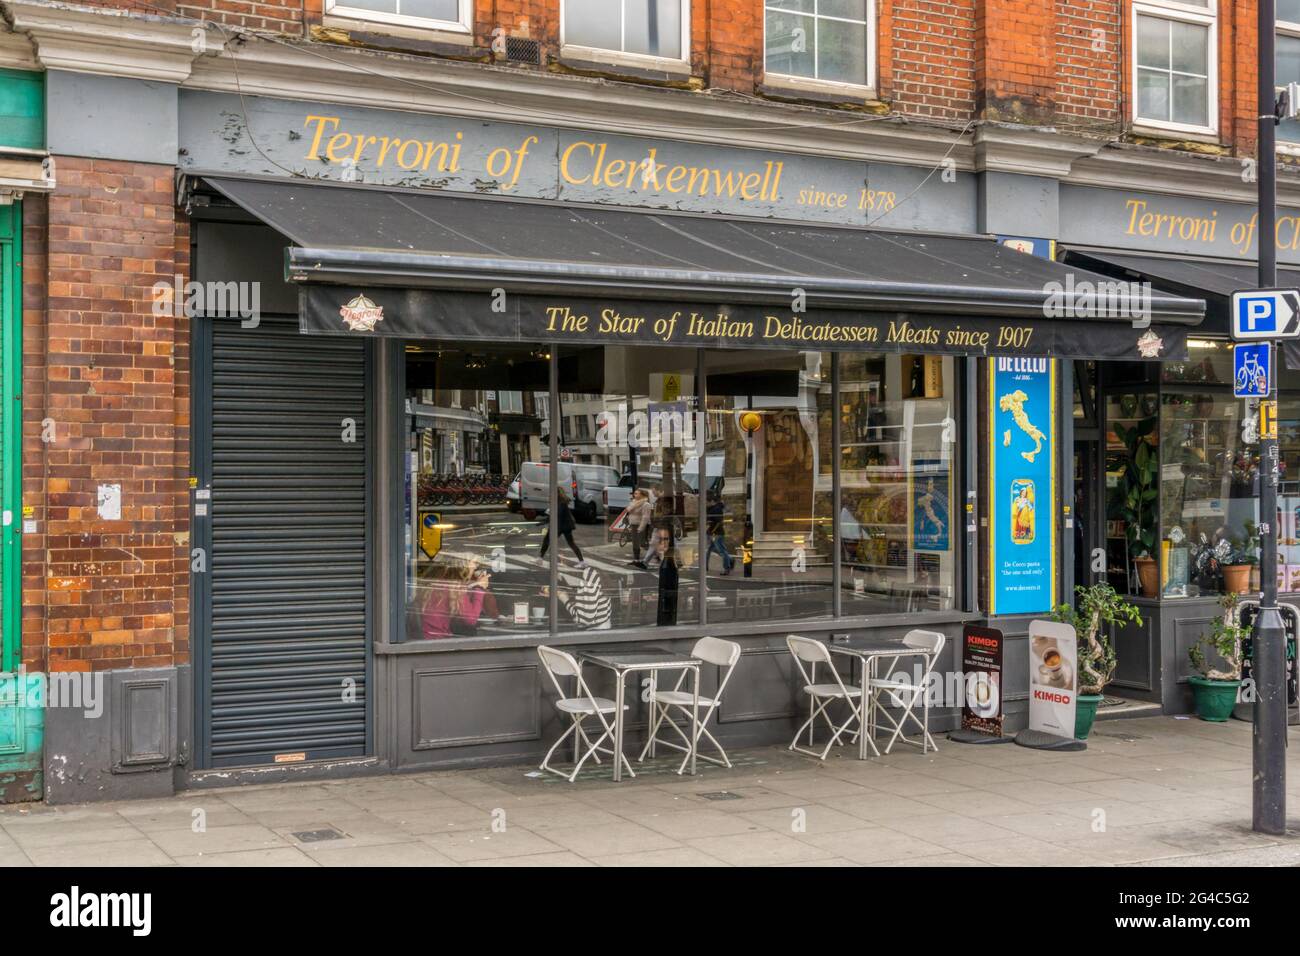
(1153, 791)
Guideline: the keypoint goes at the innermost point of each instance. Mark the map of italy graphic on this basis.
(1014, 403)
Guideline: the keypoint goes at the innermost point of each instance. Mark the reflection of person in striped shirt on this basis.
(588, 606)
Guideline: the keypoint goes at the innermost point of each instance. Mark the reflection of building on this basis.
(452, 440)
(516, 419)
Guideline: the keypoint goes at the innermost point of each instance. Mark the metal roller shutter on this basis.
(288, 561)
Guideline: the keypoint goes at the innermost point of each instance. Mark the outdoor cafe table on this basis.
(653, 661)
(870, 650)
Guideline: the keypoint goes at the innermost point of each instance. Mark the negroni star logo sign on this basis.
(361, 315)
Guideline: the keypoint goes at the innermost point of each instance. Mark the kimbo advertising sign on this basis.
(1053, 678)
(981, 667)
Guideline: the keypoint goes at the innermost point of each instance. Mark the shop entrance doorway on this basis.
(1090, 562)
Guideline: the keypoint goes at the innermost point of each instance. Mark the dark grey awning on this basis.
(551, 255)
(1213, 280)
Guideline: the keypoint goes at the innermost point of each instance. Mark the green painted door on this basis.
(11, 368)
(21, 705)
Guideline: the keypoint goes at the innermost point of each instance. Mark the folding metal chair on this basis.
(724, 654)
(820, 696)
(906, 695)
(559, 664)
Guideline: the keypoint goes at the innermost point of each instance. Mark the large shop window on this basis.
(657, 28)
(1287, 61)
(898, 434)
(1175, 64)
(769, 521)
(473, 563)
(691, 485)
(829, 40)
(1183, 480)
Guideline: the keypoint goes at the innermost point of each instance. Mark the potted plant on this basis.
(1215, 689)
(1236, 560)
(1135, 500)
(1096, 608)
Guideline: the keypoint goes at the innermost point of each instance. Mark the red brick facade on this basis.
(106, 402)
(1046, 62)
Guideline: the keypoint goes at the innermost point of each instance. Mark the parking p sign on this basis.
(1265, 314)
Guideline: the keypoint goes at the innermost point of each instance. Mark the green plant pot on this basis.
(1085, 712)
(1214, 698)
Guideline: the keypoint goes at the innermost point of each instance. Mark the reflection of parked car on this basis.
(583, 483)
(618, 496)
(535, 486)
(589, 499)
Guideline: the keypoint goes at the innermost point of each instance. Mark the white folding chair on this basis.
(906, 695)
(820, 696)
(724, 654)
(559, 664)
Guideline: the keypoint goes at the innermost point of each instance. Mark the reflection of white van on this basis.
(618, 496)
(584, 484)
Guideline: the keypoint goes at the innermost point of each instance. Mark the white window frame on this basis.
(1182, 13)
(816, 83)
(648, 59)
(464, 8)
(1289, 28)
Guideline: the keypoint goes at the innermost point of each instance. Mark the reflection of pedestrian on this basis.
(662, 526)
(565, 523)
(667, 614)
(588, 606)
(638, 516)
(716, 531)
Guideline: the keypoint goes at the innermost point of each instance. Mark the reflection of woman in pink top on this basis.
(455, 601)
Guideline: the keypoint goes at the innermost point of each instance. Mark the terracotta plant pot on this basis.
(1148, 576)
(1236, 578)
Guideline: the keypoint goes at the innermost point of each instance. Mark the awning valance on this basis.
(438, 265)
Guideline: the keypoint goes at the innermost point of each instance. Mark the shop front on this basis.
(1166, 459)
(758, 426)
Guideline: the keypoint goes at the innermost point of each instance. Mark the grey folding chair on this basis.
(820, 696)
(559, 664)
(712, 650)
(906, 695)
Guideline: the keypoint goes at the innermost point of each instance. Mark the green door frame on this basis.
(11, 415)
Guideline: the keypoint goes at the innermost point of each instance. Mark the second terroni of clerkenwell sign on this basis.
(454, 316)
(219, 133)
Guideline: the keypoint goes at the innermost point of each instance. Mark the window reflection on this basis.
(769, 528)
(472, 532)
(629, 470)
(896, 471)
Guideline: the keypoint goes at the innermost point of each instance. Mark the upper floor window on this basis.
(829, 40)
(658, 28)
(439, 14)
(1175, 73)
(1287, 61)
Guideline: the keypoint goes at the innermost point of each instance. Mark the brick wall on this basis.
(927, 57)
(1089, 51)
(1061, 62)
(111, 379)
(1015, 61)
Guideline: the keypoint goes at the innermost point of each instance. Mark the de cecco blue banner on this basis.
(1022, 485)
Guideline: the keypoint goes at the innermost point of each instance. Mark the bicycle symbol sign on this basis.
(1251, 364)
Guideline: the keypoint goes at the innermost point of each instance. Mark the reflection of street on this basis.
(510, 543)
